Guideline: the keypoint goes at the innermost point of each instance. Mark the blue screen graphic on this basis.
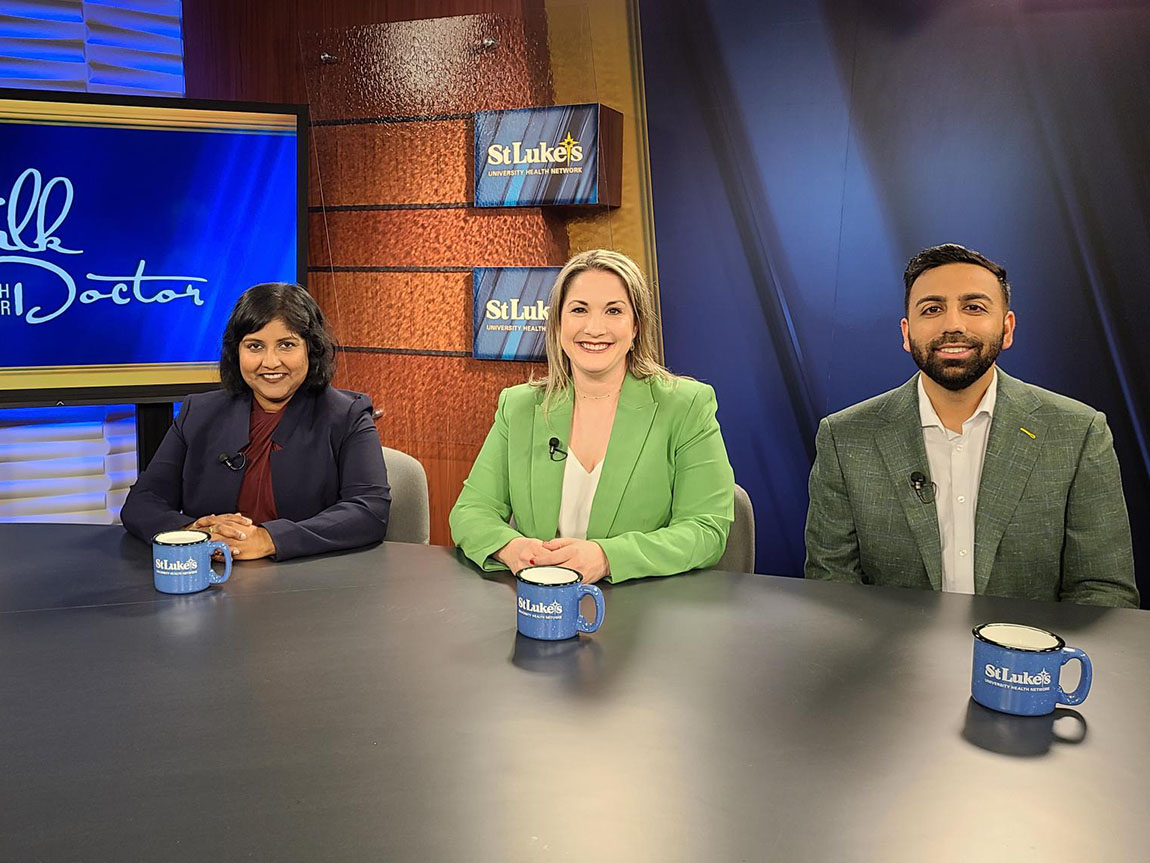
(130, 245)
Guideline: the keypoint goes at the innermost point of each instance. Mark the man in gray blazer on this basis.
(964, 478)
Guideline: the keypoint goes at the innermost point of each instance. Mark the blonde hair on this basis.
(642, 359)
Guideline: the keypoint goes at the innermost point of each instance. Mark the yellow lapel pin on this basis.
(1028, 433)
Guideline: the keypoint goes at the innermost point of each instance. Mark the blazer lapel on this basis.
(234, 425)
(633, 419)
(300, 406)
(545, 478)
(903, 452)
(1010, 457)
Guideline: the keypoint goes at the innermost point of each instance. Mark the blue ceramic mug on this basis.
(549, 603)
(182, 561)
(1016, 669)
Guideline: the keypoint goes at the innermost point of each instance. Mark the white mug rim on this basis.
(576, 580)
(1060, 642)
(157, 541)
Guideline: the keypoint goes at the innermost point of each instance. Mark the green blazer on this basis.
(665, 499)
(1051, 522)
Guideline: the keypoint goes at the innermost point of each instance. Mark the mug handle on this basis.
(1079, 694)
(214, 577)
(591, 590)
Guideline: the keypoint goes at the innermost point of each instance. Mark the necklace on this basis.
(595, 398)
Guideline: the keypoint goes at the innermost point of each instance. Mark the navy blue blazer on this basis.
(329, 479)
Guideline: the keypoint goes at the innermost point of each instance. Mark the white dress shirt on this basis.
(955, 462)
(578, 494)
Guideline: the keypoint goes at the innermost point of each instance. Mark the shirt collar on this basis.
(928, 416)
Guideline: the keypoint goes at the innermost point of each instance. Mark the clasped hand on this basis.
(585, 557)
(246, 541)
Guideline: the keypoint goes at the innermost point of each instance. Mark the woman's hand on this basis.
(247, 542)
(585, 557)
(259, 543)
(521, 552)
(229, 526)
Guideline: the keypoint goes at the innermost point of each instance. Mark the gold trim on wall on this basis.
(596, 56)
(129, 374)
(148, 117)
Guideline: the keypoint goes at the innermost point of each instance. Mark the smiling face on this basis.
(597, 326)
(957, 324)
(273, 362)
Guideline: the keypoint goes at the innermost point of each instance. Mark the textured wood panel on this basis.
(250, 50)
(393, 163)
(418, 311)
(436, 238)
(425, 68)
(449, 401)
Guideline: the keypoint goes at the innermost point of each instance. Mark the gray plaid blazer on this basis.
(1051, 522)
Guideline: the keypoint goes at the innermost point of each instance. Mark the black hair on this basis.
(951, 253)
(292, 304)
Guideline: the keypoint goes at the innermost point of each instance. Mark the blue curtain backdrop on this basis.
(801, 152)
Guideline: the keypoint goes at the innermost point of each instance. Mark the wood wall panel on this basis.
(448, 401)
(393, 163)
(435, 238)
(415, 311)
(250, 49)
(430, 68)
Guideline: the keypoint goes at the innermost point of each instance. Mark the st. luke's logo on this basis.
(517, 153)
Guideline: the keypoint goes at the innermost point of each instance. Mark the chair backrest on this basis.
(410, 518)
(740, 553)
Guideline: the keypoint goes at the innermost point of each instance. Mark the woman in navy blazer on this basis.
(279, 440)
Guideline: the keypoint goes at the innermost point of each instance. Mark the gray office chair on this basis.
(740, 553)
(410, 519)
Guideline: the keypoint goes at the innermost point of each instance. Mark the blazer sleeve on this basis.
(360, 515)
(1097, 555)
(702, 505)
(154, 503)
(479, 519)
(832, 541)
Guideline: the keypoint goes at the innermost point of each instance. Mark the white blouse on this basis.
(578, 494)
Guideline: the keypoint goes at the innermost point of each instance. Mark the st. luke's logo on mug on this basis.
(539, 608)
(188, 565)
(1019, 678)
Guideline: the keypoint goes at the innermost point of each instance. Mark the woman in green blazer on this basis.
(611, 465)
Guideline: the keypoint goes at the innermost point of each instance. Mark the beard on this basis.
(956, 374)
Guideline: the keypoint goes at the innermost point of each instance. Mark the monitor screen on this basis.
(128, 228)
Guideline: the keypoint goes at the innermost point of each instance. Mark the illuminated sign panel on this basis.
(563, 155)
(510, 312)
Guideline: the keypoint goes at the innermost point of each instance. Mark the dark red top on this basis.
(257, 499)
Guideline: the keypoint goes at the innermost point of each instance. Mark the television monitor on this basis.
(128, 228)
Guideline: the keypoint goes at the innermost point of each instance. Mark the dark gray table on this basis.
(379, 706)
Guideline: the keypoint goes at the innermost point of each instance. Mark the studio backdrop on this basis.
(801, 152)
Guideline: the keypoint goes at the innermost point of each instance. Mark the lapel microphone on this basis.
(925, 490)
(553, 450)
(234, 462)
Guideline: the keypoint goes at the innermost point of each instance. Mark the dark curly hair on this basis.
(292, 304)
(951, 253)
